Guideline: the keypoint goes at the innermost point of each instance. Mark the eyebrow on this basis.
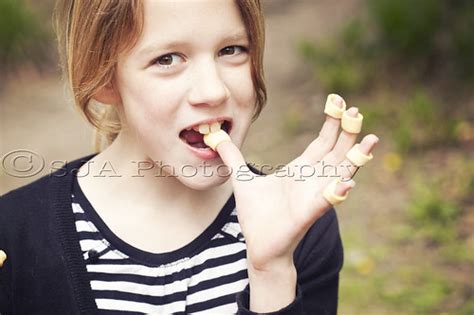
(174, 44)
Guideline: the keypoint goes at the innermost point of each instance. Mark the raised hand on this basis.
(275, 211)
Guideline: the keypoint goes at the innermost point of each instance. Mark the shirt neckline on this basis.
(146, 257)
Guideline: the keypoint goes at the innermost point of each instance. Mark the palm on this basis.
(276, 206)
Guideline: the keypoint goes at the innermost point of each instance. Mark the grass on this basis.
(433, 216)
(414, 289)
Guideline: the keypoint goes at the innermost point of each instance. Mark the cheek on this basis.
(242, 88)
(149, 104)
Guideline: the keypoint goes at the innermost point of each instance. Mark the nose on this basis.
(207, 86)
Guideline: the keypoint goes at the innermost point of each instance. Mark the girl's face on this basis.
(190, 64)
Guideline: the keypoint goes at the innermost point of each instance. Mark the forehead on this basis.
(188, 21)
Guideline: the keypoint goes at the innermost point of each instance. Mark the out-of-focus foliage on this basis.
(23, 38)
(341, 65)
(433, 126)
(419, 290)
(462, 37)
(416, 122)
(435, 29)
(433, 215)
(407, 27)
(426, 35)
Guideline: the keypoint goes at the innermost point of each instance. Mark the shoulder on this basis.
(34, 193)
(40, 186)
(28, 201)
(26, 193)
(19, 204)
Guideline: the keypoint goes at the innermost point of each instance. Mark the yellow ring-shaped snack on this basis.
(351, 124)
(332, 109)
(3, 257)
(356, 156)
(214, 138)
(329, 193)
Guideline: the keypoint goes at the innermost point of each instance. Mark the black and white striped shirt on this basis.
(202, 277)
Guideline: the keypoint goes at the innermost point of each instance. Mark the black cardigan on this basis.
(45, 272)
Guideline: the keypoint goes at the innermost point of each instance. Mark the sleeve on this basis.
(5, 300)
(318, 260)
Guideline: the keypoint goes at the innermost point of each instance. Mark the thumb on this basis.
(232, 157)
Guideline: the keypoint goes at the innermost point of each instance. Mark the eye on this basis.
(233, 50)
(168, 60)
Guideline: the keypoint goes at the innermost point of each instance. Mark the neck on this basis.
(125, 174)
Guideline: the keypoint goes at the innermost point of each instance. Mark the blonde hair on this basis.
(92, 33)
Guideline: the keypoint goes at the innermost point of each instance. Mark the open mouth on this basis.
(196, 139)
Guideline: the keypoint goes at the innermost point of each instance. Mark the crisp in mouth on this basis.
(194, 136)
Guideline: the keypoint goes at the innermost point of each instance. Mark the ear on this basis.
(107, 94)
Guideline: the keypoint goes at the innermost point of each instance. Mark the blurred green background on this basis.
(408, 227)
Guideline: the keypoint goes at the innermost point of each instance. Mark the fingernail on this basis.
(337, 100)
(353, 111)
(349, 181)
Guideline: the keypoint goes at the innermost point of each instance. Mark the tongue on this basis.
(194, 138)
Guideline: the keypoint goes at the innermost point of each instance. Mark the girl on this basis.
(169, 218)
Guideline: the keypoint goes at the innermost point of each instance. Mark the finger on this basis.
(345, 141)
(347, 169)
(232, 157)
(344, 186)
(322, 203)
(327, 136)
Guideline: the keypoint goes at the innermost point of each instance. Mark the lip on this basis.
(210, 121)
(204, 154)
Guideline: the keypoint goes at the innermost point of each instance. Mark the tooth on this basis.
(196, 128)
(188, 129)
(204, 129)
(213, 139)
(216, 126)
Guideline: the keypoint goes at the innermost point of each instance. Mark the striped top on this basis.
(202, 277)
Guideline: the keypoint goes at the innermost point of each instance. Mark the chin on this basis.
(200, 182)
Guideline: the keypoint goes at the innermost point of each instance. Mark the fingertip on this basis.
(349, 182)
(368, 143)
(344, 186)
(373, 138)
(337, 100)
(353, 111)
